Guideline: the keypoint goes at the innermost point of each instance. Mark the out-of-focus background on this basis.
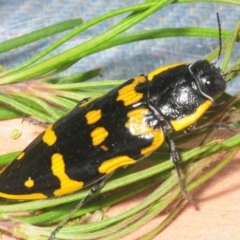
(123, 62)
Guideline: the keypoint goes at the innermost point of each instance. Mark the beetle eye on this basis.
(214, 82)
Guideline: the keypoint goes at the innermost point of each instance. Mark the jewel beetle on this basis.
(121, 127)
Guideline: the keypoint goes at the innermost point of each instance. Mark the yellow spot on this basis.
(104, 148)
(114, 163)
(136, 123)
(187, 121)
(93, 116)
(158, 139)
(98, 135)
(157, 71)
(138, 126)
(29, 183)
(20, 156)
(128, 95)
(29, 196)
(58, 169)
(49, 136)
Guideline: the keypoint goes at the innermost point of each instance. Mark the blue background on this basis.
(123, 62)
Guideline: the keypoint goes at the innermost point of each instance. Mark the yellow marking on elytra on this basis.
(29, 196)
(93, 116)
(158, 139)
(111, 165)
(58, 169)
(29, 183)
(157, 71)
(98, 135)
(20, 156)
(128, 95)
(138, 126)
(104, 148)
(187, 121)
(49, 136)
(136, 123)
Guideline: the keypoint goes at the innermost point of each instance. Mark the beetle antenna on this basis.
(219, 36)
(232, 71)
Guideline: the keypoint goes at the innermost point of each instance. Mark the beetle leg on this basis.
(209, 127)
(176, 159)
(97, 186)
(36, 122)
(84, 100)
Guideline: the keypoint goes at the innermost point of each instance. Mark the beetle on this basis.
(101, 135)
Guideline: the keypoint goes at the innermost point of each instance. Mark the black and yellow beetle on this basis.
(123, 126)
(112, 131)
